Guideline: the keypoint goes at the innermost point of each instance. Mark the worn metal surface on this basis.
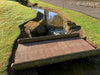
(30, 52)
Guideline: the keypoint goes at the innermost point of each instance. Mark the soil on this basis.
(24, 35)
(15, 45)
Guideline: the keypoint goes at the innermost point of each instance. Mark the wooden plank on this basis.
(53, 51)
(58, 59)
(50, 37)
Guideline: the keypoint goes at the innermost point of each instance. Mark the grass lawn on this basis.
(91, 26)
(12, 14)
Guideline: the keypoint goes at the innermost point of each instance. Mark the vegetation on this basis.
(90, 25)
(34, 1)
(12, 14)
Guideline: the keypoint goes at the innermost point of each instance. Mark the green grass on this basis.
(34, 1)
(91, 26)
(12, 14)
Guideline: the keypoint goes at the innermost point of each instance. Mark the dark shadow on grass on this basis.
(35, 4)
(15, 46)
(23, 2)
(12, 57)
(11, 60)
(23, 34)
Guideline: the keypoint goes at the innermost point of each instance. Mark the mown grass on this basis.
(91, 26)
(12, 14)
(34, 1)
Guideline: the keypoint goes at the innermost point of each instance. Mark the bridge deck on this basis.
(39, 53)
